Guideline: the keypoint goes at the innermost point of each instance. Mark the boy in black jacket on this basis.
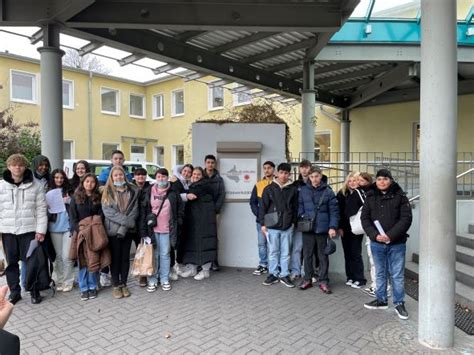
(277, 217)
(387, 205)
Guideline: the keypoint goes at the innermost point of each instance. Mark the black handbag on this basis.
(305, 224)
(271, 219)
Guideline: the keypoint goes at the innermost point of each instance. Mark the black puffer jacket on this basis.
(218, 189)
(200, 231)
(283, 200)
(392, 209)
(349, 205)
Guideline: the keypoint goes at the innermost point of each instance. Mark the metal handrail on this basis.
(457, 177)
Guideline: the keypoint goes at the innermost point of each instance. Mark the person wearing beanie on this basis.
(386, 218)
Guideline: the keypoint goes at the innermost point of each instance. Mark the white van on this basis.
(98, 165)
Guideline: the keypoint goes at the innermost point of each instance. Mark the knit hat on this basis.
(384, 173)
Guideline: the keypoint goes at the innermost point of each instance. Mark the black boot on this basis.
(36, 297)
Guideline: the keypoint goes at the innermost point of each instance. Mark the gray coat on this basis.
(118, 223)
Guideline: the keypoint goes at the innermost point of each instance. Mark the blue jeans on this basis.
(262, 247)
(279, 243)
(162, 258)
(389, 259)
(296, 253)
(87, 280)
(23, 274)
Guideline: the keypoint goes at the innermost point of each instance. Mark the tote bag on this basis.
(356, 223)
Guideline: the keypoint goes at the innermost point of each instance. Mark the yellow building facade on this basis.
(152, 121)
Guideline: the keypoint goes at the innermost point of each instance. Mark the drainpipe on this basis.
(89, 116)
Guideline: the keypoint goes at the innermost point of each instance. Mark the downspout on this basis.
(89, 116)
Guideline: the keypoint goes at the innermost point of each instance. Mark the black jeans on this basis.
(352, 245)
(9, 343)
(16, 247)
(120, 266)
(312, 241)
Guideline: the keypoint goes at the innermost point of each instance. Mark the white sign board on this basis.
(240, 176)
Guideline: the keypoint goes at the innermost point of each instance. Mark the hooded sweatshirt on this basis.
(158, 197)
(41, 179)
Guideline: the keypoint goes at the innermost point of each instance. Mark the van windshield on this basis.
(151, 170)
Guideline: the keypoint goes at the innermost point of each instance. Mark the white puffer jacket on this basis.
(23, 208)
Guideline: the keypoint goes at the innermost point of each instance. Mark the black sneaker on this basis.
(270, 280)
(14, 298)
(92, 294)
(401, 311)
(376, 304)
(260, 270)
(287, 282)
(84, 296)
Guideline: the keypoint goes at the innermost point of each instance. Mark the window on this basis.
(216, 98)
(137, 106)
(110, 101)
(68, 94)
(178, 155)
(151, 170)
(23, 87)
(158, 106)
(137, 153)
(159, 156)
(322, 146)
(242, 98)
(177, 103)
(107, 149)
(68, 150)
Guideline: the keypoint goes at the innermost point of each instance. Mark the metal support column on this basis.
(51, 96)
(308, 120)
(438, 109)
(345, 140)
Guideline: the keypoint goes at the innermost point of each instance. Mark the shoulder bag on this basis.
(305, 224)
(271, 219)
(356, 223)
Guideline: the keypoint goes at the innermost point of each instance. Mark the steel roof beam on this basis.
(130, 59)
(354, 74)
(264, 15)
(243, 41)
(90, 47)
(195, 76)
(188, 35)
(164, 68)
(346, 86)
(279, 51)
(167, 49)
(217, 83)
(36, 37)
(285, 65)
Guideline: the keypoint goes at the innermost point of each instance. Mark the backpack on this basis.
(39, 268)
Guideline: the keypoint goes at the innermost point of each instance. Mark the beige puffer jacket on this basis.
(22, 208)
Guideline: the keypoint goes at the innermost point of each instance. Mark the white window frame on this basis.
(236, 103)
(173, 108)
(138, 145)
(173, 153)
(154, 113)
(324, 131)
(117, 95)
(71, 94)
(34, 89)
(73, 147)
(102, 149)
(130, 106)
(210, 99)
(155, 155)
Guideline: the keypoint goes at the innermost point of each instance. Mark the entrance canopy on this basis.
(373, 59)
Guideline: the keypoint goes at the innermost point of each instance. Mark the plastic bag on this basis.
(144, 262)
(3, 259)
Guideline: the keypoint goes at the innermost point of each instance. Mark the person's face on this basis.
(362, 182)
(117, 159)
(161, 177)
(58, 179)
(197, 175)
(315, 179)
(117, 176)
(17, 170)
(304, 171)
(268, 171)
(186, 173)
(140, 179)
(89, 184)
(383, 183)
(353, 183)
(43, 167)
(283, 176)
(210, 164)
(80, 170)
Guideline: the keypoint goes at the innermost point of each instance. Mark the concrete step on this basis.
(464, 255)
(465, 240)
(464, 293)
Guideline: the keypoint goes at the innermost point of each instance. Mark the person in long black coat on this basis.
(200, 229)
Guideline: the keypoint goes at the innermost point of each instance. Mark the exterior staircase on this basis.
(464, 267)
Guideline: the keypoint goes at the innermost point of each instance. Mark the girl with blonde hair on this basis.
(120, 208)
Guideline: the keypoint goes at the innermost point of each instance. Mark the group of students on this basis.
(297, 222)
(101, 218)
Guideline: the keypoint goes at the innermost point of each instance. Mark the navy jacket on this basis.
(308, 201)
(104, 175)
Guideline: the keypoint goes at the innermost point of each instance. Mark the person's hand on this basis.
(341, 232)
(264, 231)
(6, 307)
(191, 197)
(382, 239)
(332, 233)
(39, 237)
(173, 179)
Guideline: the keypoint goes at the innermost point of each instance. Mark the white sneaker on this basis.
(68, 288)
(166, 286)
(105, 280)
(173, 276)
(188, 273)
(356, 284)
(349, 282)
(203, 274)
